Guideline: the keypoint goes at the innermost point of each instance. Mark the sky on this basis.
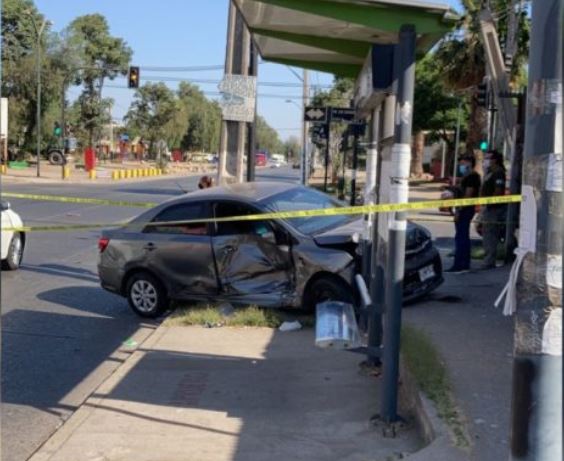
(182, 33)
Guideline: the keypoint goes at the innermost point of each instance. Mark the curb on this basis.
(61, 434)
(432, 429)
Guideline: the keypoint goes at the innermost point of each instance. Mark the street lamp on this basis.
(38, 33)
(291, 101)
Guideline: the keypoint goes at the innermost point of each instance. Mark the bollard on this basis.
(128, 174)
(66, 172)
(146, 172)
(91, 174)
(121, 174)
(159, 171)
(3, 169)
(115, 175)
(134, 173)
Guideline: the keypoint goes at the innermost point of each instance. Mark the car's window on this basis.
(302, 198)
(181, 212)
(227, 209)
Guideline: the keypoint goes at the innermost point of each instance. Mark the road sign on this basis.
(320, 131)
(339, 114)
(315, 114)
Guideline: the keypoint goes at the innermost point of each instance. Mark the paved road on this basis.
(59, 328)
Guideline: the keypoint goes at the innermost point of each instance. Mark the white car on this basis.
(13, 242)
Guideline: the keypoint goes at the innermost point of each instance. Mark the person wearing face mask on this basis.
(492, 217)
(469, 188)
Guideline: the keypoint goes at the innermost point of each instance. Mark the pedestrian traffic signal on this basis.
(484, 146)
(482, 94)
(133, 81)
(57, 130)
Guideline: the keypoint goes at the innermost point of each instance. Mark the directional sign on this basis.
(320, 131)
(339, 114)
(315, 114)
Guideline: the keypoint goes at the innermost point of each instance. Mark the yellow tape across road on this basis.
(352, 210)
(89, 201)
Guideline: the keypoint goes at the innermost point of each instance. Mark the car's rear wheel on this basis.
(56, 158)
(146, 295)
(15, 253)
(327, 289)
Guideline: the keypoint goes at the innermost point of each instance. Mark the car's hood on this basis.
(350, 233)
(347, 233)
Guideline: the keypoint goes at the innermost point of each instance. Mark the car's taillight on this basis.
(103, 243)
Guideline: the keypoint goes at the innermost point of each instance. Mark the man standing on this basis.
(492, 216)
(469, 188)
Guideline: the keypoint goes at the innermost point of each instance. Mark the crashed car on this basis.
(296, 262)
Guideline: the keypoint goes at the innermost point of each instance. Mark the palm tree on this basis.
(463, 61)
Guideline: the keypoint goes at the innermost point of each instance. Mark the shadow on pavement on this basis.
(254, 395)
(60, 270)
(158, 191)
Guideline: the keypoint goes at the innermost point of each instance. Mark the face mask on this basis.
(464, 169)
(486, 164)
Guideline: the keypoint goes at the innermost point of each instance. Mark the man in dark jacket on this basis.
(492, 216)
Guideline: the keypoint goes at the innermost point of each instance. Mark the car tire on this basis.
(56, 158)
(15, 253)
(146, 295)
(327, 289)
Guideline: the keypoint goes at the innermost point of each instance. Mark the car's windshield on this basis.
(302, 198)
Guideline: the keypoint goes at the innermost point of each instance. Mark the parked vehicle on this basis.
(272, 263)
(12, 243)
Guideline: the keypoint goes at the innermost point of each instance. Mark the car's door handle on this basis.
(150, 246)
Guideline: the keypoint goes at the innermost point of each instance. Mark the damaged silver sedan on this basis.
(296, 262)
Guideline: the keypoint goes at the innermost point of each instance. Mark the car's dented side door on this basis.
(254, 260)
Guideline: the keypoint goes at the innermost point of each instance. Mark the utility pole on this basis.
(328, 150)
(305, 126)
(232, 137)
(536, 427)
(251, 127)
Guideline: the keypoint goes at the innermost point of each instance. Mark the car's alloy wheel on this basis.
(15, 253)
(327, 289)
(146, 295)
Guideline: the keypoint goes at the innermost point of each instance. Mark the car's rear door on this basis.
(254, 260)
(181, 254)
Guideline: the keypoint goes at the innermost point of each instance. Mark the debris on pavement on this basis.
(290, 326)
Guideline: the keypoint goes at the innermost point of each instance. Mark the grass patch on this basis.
(251, 316)
(424, 362)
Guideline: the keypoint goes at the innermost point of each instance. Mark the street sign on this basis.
(358, 128)
(339, 114)
(238, 97)
(320, 131)
(315, 114)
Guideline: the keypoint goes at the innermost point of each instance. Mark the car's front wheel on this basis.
(327, 289)
(15, 253)
(146, 295)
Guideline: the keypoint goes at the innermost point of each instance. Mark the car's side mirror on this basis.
(4, 205)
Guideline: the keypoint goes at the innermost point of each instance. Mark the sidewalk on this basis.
(192, 393)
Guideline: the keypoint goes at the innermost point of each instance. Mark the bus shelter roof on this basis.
(335, 35)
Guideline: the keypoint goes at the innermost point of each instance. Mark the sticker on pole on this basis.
(238, 100)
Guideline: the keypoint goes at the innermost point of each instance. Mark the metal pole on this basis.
(251, 131)
(536, 427)
(63, 124)
(38, 105)
(328, 149)
(399, 193)
(457, 143)
(354, 165)
(443, 159)
(304, 161)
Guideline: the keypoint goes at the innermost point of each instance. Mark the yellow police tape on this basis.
(351, 210)
(89, 201)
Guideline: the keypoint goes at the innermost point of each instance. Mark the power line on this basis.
(181, 69)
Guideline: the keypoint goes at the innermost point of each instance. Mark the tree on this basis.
(101, 56)
(462, 59)
(292, 148)
(435, 111)
(267, 137)
(154, 106)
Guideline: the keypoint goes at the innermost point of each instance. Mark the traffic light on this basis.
(482, 94)
(484, 146)
(57, 130)
(133, 81)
